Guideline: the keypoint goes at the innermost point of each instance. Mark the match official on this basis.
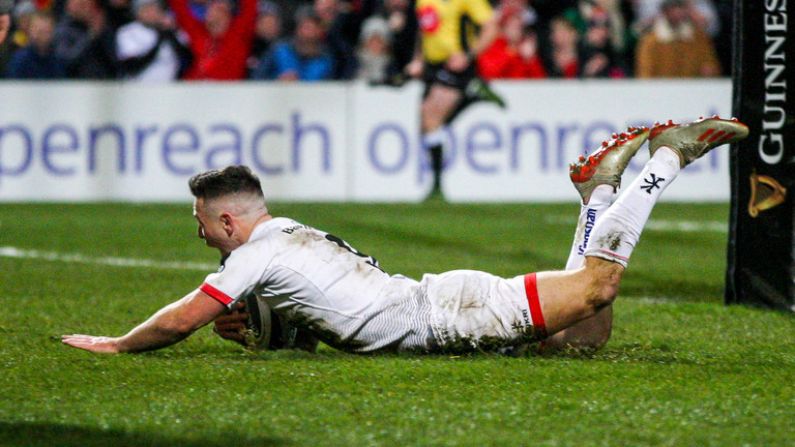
(452, 33)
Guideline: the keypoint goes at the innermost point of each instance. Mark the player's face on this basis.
(210, 227)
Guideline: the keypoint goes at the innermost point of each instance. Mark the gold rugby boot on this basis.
(692, 140)
(606, 165)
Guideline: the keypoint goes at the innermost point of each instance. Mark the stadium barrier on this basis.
(761, 253)
(331, 141)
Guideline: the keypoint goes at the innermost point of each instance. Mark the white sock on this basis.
(435, 137)
(619, 228)
(601, 199)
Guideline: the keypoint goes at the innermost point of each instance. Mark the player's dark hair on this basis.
(220, 182)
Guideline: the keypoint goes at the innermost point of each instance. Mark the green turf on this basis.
(681, 368)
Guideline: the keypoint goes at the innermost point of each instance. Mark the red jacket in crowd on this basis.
(502, 61)
(219, 58)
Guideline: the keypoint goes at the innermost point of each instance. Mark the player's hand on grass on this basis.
(231, 326)
(105, 345)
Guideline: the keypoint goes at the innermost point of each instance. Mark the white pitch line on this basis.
(683, 226)
(688, 226)
(20, 253)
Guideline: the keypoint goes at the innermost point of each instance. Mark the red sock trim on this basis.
(531, 289)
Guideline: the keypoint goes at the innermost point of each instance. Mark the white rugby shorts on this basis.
(473, 309)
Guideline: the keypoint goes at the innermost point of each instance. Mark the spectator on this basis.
(597, 53)
(703, 13)
(267, 31)
(373, 55)
(342, 24)
(37, 60)
(221, 45)
(675, 47)
(85, 42)
(326, 11)
(120, 12)
(546, 11)
(513, 54)
(147, 48)
(305, 57)
(199, 8)
(5, 18)
(18, 34)
(287, 10)
(564, 60)
(23, 14)
(605, 12)
(402, 22)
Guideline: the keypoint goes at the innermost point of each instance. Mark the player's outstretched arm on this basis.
(169, 325)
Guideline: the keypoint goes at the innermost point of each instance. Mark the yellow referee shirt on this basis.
(442, 25)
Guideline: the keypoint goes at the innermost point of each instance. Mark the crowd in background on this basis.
(293, 40)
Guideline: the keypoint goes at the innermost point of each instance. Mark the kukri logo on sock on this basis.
(590, 220)
(652, 184)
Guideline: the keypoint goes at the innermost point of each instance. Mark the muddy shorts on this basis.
(477, 310)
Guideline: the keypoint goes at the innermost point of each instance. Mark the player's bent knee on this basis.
(589, 334)
(566, 340)
(598, 338)
(604, 285)
(603, 294)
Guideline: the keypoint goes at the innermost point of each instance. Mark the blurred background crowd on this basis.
(313, 40)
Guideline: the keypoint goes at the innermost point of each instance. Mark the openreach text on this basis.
(296, 144)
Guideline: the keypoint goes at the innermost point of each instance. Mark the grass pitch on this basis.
(681, 368)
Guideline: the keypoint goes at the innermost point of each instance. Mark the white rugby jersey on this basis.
(320, 283)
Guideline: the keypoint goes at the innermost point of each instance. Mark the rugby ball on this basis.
(259, 324)
(266, 330)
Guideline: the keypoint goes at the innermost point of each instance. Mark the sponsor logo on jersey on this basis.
(590, 220)
(294, 228)
(428, 18)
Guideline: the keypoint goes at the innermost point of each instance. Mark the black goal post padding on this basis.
(761, 249)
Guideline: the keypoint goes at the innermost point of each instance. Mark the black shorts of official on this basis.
(438, 74)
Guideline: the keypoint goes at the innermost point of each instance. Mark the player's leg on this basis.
(475, 90)
(448, 93)
(672, 147)
(597, 179)
(571, 296)
(437, 106)
(592, 333)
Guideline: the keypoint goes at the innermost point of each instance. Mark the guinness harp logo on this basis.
(766, 193)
